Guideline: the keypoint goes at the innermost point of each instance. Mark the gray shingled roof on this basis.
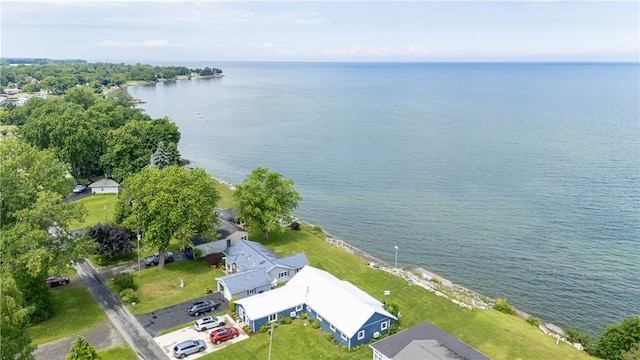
(294, 261)
(409, 344)
(245, 280)
(104, 183)
(250, 255)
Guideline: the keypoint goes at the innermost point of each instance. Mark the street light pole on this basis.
(396, 266)
(138, 254)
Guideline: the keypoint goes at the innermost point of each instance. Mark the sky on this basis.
(348, 31)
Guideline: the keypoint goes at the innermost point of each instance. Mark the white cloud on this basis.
(270, 45)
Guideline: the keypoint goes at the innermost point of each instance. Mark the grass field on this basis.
(118, 354)
(74, 311)
(159, 288)
(100, 209)
(226, 196)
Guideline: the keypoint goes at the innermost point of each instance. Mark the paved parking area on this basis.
(168, 341)
(166, 318)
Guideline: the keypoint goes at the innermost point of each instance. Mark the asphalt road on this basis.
(133, 333)
(172, 316)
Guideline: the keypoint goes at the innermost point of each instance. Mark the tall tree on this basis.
(172, 204)
(112, 240)
(619, 340)
(264, 199)
(82, 350)
(24, 172)
(15, 342)
(162, 157)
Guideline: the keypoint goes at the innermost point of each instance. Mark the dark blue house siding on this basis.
(257, 323)
(370, 327)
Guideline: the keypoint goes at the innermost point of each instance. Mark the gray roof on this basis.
(294, 261)
(245, 280)
(104, 183)
(410, 344)
(250, 255)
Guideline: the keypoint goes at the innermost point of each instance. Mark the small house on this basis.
(351, 315)
(228, 234)
(424, 341)
(253, 269)
(105, 186)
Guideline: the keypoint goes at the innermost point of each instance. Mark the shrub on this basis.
(304, 316)
(285, 320)
(394, 328)
(315, 325)
(123, 281)
(577, 336)
(264, 328)
(295, 225)
(128, 296)
(197, 253)
(533, 321)
(213, 259)
(232, 304)
(329, 337)
(503, 306)
(344, 348)
(317, 229)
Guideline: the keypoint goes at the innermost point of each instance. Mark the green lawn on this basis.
(118, 354)
(100, 209)
(497, 335)
(74, 311)
(226, 199)
(159, 288)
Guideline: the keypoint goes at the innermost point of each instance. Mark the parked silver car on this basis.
(209, 322)
(188, 347)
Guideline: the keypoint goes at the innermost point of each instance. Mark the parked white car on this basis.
(209, 322)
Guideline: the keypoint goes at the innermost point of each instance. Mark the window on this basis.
(360, 334)
(273, 317)
(309, 309)
(319, 317)
(251, 291)
(333, 328)
(228, 242)
(299, 308)
(343, 336)
(283, 274)
(384, 325)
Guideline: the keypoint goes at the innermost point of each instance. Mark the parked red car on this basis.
(223, 334)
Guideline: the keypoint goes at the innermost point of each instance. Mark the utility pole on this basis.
(270, 340)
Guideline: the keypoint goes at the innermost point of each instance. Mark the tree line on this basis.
(56, 77)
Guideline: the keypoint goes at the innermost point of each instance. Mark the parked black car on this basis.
(54, 281)
(201, 307)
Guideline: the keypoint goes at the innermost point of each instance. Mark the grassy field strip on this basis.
(100, 209)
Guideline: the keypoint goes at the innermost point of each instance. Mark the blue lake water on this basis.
(514, 180)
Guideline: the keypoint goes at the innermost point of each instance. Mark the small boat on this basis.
(199, 115)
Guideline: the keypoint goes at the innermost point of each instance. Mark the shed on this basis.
(105, 186)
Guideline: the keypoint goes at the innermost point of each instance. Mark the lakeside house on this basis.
(253, 269)
(424, 341)
(228, 234)
(105, 186)
(351, 315)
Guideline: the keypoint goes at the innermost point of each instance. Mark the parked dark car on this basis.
(54, 281)
(155, 259)
(188, 347)
(219, 335)
(201, 307)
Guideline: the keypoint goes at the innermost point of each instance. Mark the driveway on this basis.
(168, 341)
(158, 320)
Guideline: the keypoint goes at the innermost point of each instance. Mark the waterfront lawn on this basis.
(74, 311)
(100, 209)
(226, 198)
(118, 354)
(159, 288)
(495, 334)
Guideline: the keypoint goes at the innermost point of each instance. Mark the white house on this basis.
(229, 233)
(351, 315)
(105, 186)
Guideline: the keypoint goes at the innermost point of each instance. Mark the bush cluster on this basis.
(285, 320)
(315, 325)
(533, 321)
(129, 296)
(123, 281)
(503, 306)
